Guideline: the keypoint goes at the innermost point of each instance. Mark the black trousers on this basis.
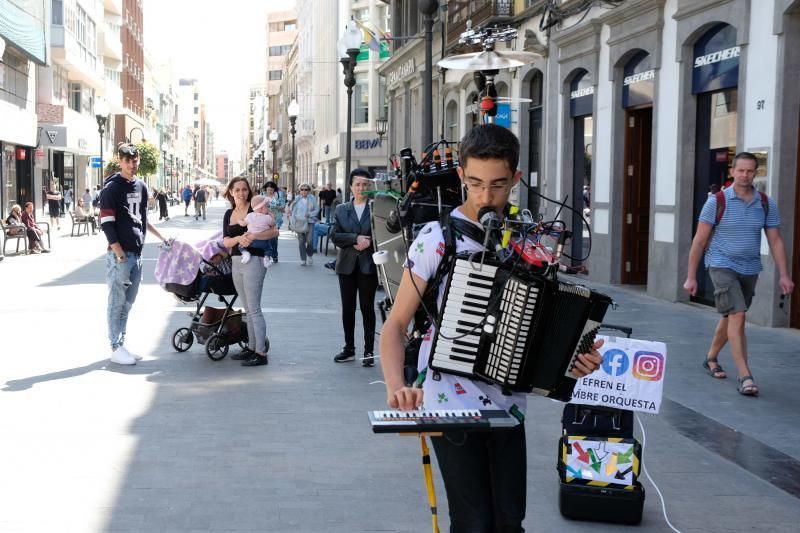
(484, 476)
(362, 286)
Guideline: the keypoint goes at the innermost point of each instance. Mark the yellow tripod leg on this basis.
(426, 468)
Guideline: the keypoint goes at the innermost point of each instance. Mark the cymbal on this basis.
(488, 60)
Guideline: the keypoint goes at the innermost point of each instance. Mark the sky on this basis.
(222, 48)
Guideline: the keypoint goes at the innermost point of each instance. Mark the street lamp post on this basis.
(130, 134)
(164, 180)
(101, 115)
(263, 169)
(381, 127)
(293, 111)
(348, 46)
(428, 9)
(273, 141)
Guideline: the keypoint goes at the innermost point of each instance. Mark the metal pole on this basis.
(349, 142)
(294, 168)
(428, 9)
(100, 178)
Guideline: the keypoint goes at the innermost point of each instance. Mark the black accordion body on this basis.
(513, 328)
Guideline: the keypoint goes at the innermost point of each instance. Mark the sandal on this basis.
(747, 390)
(716, 372)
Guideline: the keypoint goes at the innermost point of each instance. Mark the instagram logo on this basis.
(648, 366)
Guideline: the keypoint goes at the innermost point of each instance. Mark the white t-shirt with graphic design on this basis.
(451, 391)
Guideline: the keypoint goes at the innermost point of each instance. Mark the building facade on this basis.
(23, 47)
(645, 104)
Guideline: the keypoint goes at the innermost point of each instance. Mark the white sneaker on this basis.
(245, 257)
(302, 263)
(122, 357)
(134, 355)
(310, 260)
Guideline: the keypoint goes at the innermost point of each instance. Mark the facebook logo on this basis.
(615, 362)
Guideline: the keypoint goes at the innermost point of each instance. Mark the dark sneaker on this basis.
(330, 265)
(344, 356)
(256, 360)
(244, 355)
(368, 359)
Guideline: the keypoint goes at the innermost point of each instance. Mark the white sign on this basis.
(631, 376)
(401, 72)
(716, 57)
(639, 77)
(586, 91)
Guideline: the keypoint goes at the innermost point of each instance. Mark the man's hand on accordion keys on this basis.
(587, 363)
(405, 398)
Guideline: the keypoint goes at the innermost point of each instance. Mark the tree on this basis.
(149, 158)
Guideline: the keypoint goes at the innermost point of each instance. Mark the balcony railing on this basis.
(480, 12)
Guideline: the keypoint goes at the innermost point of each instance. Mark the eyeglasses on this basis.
(494, 189)
(128, 149)
(306, 190)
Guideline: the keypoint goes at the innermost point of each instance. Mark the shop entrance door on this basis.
(581, 176)
(714, 150)
(636, 192)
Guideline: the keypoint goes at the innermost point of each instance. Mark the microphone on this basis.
(491, 226)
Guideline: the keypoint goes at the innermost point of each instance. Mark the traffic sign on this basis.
(95, 162)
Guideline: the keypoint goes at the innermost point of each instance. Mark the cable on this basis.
(647, 474)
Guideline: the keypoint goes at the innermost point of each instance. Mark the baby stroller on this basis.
(192, 274)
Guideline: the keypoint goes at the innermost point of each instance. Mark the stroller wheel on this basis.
(216, 349)
(182, 339)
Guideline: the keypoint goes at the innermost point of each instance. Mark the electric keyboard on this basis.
(439, 420)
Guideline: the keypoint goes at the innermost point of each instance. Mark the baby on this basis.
(257, 221)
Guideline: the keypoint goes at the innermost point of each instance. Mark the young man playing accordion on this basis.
(484, 473)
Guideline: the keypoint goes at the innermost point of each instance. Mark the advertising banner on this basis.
(631, 376)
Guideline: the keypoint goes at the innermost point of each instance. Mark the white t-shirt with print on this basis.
(451, 391)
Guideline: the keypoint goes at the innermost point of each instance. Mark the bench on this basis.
(79, 227)
(17, 233)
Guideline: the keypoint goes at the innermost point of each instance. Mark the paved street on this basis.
(180, 443)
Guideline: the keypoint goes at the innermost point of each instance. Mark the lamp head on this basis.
(381, 126)
(100, 108)
(164, 147)
(294, 109)
(351, 38)
(2, 47)
(273, 135)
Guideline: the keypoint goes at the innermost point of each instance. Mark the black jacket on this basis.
(346, 227)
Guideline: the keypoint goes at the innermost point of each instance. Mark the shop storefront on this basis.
(16, 173)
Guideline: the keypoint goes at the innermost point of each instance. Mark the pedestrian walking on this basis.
(187, 198)
(161, 198)
(54, 206)
(67, 198)
(200, 197)
(729, 232)
(248, 278)
(303, 214)
(484, 472)
(358, 278)
(276, 203)
(326, 197)
(123, 219)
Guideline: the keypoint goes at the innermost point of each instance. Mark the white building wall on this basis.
(602, 138)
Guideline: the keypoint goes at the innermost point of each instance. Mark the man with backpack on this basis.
(200, 196)
(729, 231)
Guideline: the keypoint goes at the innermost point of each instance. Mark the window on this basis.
(451, 121)
(361, 14)
(75, 96)
(279, 50)
(275, 75)
(361, 97)
(58, 12)
(382, 100)
(82, 27)
(59, 83)
(13, 78)
(289, 26)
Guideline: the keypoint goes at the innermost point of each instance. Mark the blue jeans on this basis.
(123, 281)
(264, 244)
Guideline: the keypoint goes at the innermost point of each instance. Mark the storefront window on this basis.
(361, 99)
(8, 173)
(451, 121)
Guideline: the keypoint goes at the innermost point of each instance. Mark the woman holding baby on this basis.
(239, 233)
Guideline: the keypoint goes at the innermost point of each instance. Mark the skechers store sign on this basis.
(639, 81)
(716, 60)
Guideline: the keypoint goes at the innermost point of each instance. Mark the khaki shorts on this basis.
(733, 292)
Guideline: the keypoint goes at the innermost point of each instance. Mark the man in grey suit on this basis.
(358, 278)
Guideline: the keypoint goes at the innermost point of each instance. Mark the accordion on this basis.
(519, 330)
